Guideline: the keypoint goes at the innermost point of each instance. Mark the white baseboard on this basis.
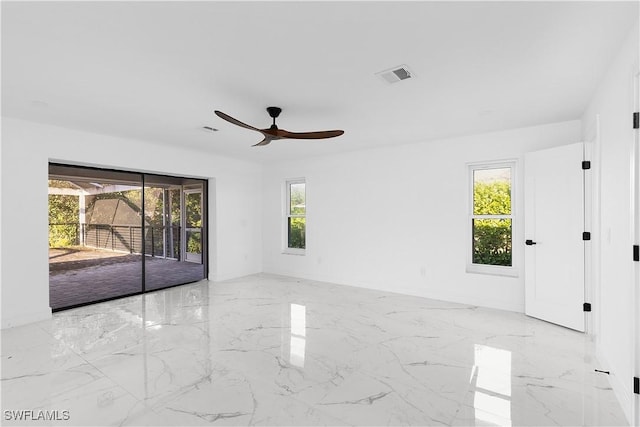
(621, 388)
(437, 295)
(222, 277)
(25, 318)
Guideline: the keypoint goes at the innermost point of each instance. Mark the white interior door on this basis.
(554, 223)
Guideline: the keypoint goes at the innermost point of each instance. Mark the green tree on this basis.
(297, 225)
(297, 232)
(154, 219)
(63, 220)
(193, 212)
(492, 237)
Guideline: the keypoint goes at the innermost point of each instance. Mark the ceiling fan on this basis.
(272, 133)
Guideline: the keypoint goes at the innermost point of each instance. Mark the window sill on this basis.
(492, 270)
(293, 251)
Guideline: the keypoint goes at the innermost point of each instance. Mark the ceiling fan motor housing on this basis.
(274, 111)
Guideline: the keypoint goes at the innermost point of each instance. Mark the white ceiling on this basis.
(157, 70)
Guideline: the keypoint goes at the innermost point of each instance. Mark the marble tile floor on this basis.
(273, 350)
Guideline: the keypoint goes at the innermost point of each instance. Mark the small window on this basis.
(491, 218)
(296, 216)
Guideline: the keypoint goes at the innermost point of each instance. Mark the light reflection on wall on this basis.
(298, 335)
(492, 374)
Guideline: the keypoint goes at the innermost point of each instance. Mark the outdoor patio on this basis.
(78, 275)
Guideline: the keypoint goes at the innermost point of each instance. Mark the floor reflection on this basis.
(154, 335)
(298, 335)
(235, 353)
(491, 377)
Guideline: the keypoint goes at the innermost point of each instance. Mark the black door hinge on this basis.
(636, 120)
(636, 385)
(586, 164)
(586, 306)
(636, 253)
(586, 235)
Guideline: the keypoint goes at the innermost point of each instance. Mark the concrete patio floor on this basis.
(80, 276)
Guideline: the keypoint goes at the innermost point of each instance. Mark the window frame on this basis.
(497, 270)
(287, 214)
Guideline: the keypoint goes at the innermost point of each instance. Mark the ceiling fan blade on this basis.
(234, 121)
(273, 133)
(310, 135)
(265, 141)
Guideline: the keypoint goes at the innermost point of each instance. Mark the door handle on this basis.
(529, 242)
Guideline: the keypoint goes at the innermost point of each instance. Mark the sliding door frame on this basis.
(143, 175)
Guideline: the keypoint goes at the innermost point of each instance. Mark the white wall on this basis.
(234, 197)
(613, 102)
(395, 219)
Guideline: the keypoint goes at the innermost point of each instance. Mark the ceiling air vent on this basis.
(396, 74)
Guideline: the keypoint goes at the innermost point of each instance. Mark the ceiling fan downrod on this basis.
(274, 112)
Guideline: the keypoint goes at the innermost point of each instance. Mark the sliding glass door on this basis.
(95, 235)
(115, 233)
(174, 234)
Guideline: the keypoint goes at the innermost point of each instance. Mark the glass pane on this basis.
(194, 242)
(154, 218)
(296, 233)
(174, 222)
(297, 199)
(64, 226)
(492, 191)
(193, 209)
(174, 244)
(95, 235)
(492, 242)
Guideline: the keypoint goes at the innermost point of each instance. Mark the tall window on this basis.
(491, 217)
(296, 215)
